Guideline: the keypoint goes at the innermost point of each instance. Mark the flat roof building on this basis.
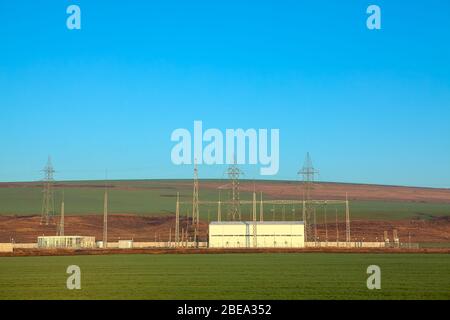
(249, 234)
(68, 242)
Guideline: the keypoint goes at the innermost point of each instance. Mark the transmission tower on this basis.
(234, 210)
(308, 174)
(195, 209)
(48, 202)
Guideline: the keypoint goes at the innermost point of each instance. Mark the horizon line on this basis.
(221, 179)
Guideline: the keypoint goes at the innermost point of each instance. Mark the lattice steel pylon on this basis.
(234, 210)
(308, 173)
(48, 201)
(195, 208)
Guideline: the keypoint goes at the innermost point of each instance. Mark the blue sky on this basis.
(370, 106)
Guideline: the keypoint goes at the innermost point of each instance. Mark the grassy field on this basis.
(158, 197)
(231, 276)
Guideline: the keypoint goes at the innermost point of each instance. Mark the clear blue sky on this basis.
(370, 106)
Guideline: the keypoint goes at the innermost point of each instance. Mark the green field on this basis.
(156, 197)
(228, 276)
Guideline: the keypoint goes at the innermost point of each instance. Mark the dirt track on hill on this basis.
(144, 228)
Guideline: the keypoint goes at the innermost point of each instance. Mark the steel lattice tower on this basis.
(48, 202)
(234, 210)
(308, 174)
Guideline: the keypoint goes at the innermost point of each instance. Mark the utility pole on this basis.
(255, 239)
(61, 221)
(337, 229)
(195, 202)
(105, 219)
(219, 210)
(326, 226)
(315, 225)
(177, 221)
(261, 209)
(347, 220)
(409, 240)
(48, 202)
(304, 215)
(182, 236)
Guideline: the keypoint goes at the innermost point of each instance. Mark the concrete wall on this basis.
(6, 247)
(268, 235)
(125, 244)
(169, 245)
(353, 244)
(25, 245)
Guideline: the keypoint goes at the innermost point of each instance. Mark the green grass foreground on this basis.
(228, 276)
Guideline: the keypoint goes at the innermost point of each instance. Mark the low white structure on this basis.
(68, 242)
(6, 247)
(125, 244)
(249, 234)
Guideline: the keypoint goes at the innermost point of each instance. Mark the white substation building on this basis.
(250, 234)
(66, 242)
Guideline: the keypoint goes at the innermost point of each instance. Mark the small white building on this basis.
(249, 234)
(125, 244)
(68, 242)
